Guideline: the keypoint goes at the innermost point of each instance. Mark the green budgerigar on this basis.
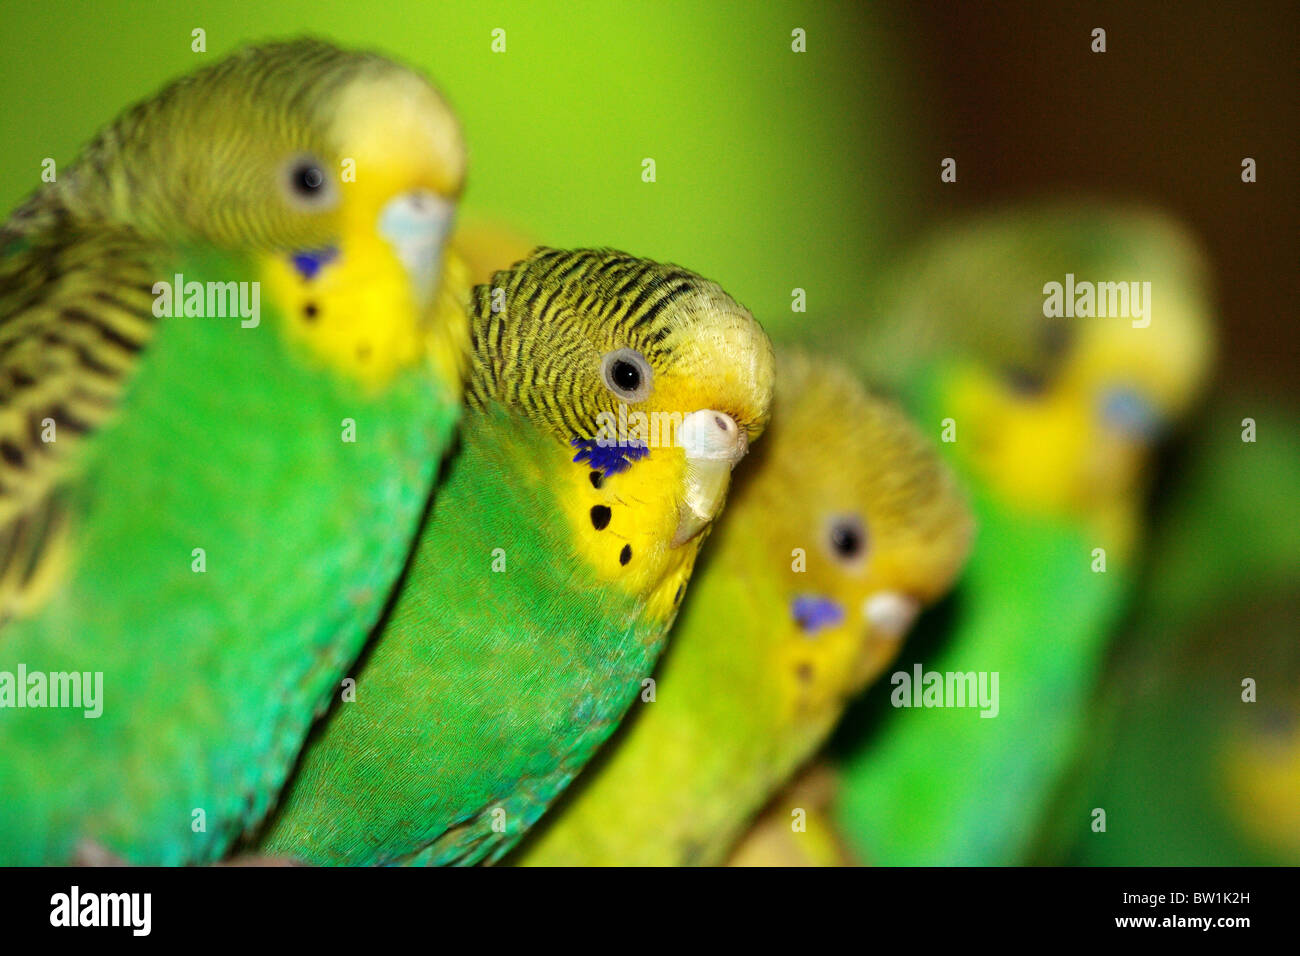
(609, 398)
(1196, 740)
(230, 358)
(1050, 348)
(843, 525)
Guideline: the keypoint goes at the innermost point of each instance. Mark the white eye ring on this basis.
(627, 375)
(307, 185)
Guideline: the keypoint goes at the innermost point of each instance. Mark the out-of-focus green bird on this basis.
(610, 397)
(228, 369)
(1197, 753)
(1052, 420)
(843, 525)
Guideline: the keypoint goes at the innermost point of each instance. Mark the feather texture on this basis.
(541, 591)
(205, 516)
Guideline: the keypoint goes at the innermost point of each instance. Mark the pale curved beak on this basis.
(417, 225)
(890, 614)
(713, 443)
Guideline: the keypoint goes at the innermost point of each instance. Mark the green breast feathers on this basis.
(204, 499)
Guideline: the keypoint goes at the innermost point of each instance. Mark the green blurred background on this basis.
(777, 170)
(774, 170)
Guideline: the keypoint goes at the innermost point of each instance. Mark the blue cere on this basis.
(813, 613)
(309, 263)
(1130, 411)
(609, 458)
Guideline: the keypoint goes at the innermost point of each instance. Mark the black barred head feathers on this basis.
(577, 339)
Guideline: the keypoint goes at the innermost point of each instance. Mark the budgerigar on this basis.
(1052, 420)
(610, 397)
(844, 524)
(231, 349)
(1197, 753)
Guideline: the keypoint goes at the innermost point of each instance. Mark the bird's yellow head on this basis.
(338, 170)
(1056, 398)
(860, 523)
(651, 381)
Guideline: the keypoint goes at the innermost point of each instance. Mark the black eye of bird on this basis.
(848, 538)
(1024, 381)
(627, 374)
(305, 183)
(307, 178)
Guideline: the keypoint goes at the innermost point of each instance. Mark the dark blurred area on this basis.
(1165, 116)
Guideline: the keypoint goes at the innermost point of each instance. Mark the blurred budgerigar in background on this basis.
(1053, 418)
(1195, 743)
(845, 524)
(179, 445)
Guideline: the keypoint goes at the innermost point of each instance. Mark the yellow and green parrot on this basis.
(231, 343)
(610, 397)
(1050, 409)
(844, 524)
